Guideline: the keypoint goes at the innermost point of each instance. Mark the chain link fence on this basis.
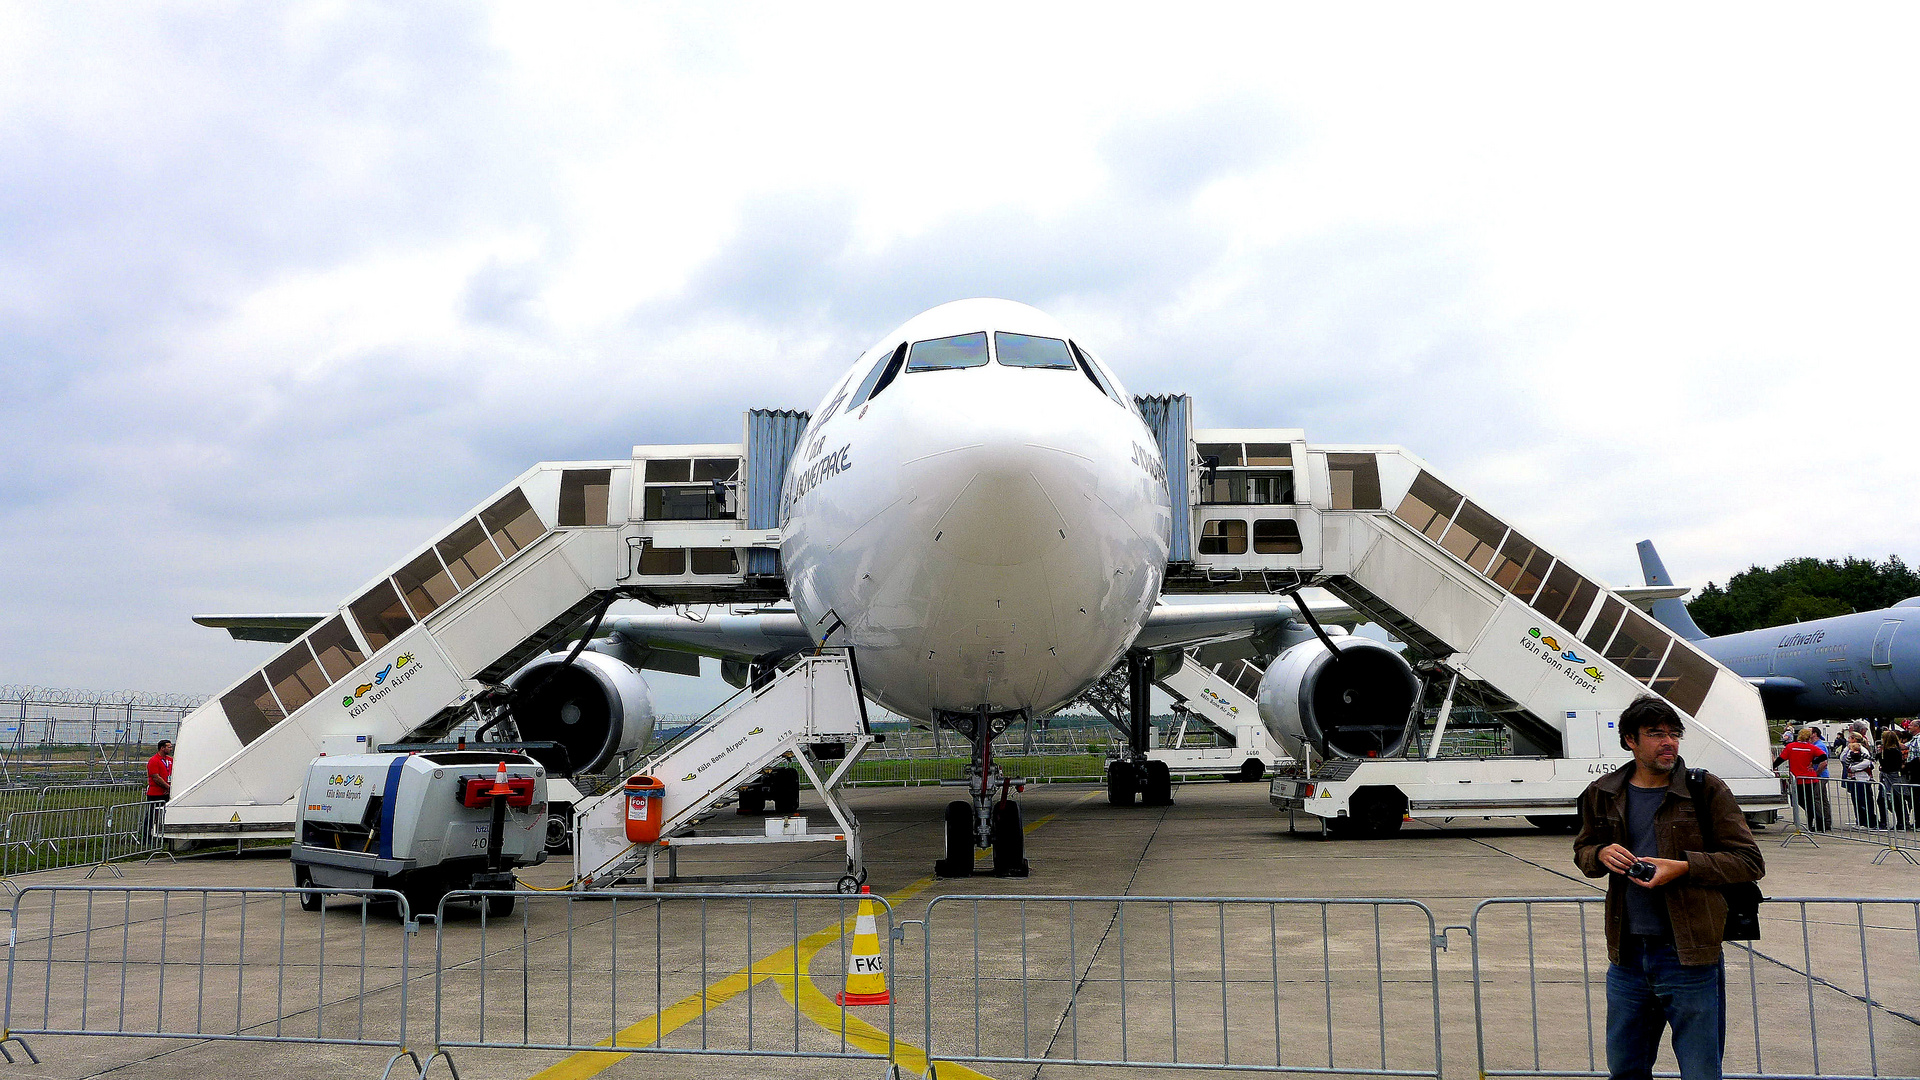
(50, 735)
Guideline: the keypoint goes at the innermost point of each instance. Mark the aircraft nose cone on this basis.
(1003, 514)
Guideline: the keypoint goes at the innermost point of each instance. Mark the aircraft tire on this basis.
(753, 799)
(1157, 788)
(1009, 841)
(1120, 783)
(959, 842)
(1555, 823)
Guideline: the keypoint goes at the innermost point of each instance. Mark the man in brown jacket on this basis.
(1665, 911)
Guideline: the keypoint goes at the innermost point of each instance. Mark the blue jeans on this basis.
(1650, 989)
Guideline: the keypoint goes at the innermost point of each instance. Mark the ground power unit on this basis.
(424, 824)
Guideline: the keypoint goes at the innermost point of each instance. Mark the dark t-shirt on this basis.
(1646, 908)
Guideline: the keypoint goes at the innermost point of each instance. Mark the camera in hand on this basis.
(1641, 870)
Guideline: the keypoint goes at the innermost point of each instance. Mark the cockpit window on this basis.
(939, 354)
(1093, 373)
(869, 385)
(884, 373)
(1024, 350)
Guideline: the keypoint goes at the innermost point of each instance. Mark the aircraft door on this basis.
(1883, 643)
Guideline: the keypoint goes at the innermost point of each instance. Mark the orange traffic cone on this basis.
(866, 982)
(500, 782)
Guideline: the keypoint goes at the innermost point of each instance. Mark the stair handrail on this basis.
(697, 726)
(711, 716)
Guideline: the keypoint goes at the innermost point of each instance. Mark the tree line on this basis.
(1801, 589)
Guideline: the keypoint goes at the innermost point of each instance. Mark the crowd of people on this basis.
(1877, 764)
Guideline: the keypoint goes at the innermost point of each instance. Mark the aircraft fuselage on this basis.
(1852, 666)
(987, 524)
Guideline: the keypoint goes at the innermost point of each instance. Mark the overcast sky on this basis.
(284, 288)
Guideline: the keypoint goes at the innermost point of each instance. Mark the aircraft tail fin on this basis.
(1671, 613)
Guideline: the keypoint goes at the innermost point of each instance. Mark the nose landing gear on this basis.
(1009, 840)
(959, 838)
(989, 818)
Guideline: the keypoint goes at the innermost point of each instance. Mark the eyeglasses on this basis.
(1659, 733)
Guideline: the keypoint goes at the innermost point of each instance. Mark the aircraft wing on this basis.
(1645, 596)
(755, 633)
(724, 633)
(752, 633)
(729, 634)
(1778, 694)
(280, 628)
(1172, 625)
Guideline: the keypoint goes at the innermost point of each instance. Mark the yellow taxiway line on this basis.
(784, 967)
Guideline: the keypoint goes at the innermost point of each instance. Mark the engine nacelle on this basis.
(1358, 707)
(596, 708)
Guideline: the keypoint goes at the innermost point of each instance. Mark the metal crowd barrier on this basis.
(34, 840)
(641, 973)
(16, 798)
(1325, 987)
(1255, 985)
(1886, 815)
(134, 961)
(1830, 991)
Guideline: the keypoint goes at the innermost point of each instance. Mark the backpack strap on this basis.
(1697, 787)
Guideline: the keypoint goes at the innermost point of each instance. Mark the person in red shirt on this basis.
(159, 782)
(1805, 760)
(160, 772)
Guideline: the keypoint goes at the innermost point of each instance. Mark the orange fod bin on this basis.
(646, 806)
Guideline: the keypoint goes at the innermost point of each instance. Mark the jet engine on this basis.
(596, 707)
(1359, 704)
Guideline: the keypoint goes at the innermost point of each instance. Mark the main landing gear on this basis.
(990, 818)
(1135, 773)
(1148, 779)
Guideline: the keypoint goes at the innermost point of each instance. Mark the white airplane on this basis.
(979, 509)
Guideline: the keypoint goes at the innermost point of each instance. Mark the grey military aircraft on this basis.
(1844, 667)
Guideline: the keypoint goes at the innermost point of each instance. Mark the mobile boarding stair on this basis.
(812, 711)
(1554, 654)
(406, 658)
(1227, 706)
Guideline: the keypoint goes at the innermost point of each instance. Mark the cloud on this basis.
(1173, 157)
(285, 289)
